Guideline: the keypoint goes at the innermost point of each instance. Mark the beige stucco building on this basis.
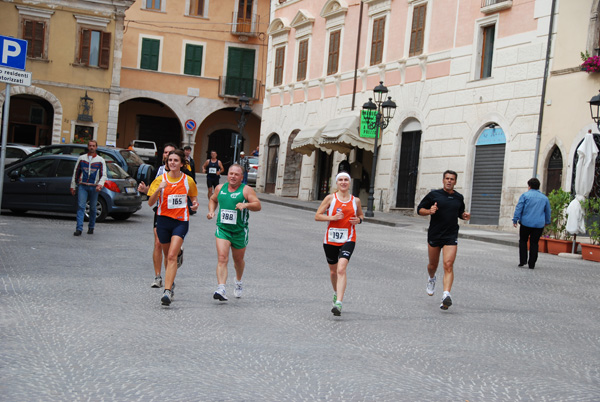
(74, 50)
(467, 78)
(566, 109)
(190, 61)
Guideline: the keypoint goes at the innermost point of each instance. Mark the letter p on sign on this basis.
(13, 52)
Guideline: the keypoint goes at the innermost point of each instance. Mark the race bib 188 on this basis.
(337, 235)
(229, 216)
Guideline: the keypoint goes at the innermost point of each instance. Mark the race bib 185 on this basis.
(176, 201)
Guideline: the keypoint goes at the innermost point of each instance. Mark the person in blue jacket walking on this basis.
(533, 213)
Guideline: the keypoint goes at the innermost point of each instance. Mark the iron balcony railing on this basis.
(246, 25)
(235, 86)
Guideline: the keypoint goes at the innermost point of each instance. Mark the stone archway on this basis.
(49, 97)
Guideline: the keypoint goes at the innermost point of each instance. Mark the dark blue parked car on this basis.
(43, 184)
(127, 159)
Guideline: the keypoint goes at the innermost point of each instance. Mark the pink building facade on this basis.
(467, 78)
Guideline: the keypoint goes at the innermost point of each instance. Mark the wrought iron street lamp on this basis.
(243, 109)
(385, 110)
(595, 104)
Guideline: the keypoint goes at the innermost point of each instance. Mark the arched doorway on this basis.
(272, 161)
(488, 173)
(30, 120)
(150, 120)
(554, 170)
(293, 167)
(222, 141)
(408, 166)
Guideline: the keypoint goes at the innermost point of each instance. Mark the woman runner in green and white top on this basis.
(234, 200)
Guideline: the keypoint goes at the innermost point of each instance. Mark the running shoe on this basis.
(446, 301)
(166, 298)
(334, 297)
(220, 294)
(237, 290)
(180, 258)
(337, 308)
(173, 291)
(157, 282)
(431, 286)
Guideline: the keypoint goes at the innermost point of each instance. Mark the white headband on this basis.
(342, 174)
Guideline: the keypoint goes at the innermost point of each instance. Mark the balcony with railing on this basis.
(244, 24)
(492, 6)
(234, 87)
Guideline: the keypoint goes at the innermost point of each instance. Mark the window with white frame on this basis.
(93, 41)
(377, 41)
(333, 55)
(485, 39)
(279, 66)
(417, 30)
(197, 8)
(193, 58)
(334, 13)
(303, 25)
(150, 53)
(154, 5)
(34, 28)
(302, 60)
(379, 11)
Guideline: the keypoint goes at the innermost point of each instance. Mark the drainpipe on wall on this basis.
(538, 138)
(357, 50)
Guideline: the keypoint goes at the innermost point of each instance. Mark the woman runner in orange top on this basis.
(343, 211)
(171, 190)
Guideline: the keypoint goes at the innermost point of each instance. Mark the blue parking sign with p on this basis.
(13, 52)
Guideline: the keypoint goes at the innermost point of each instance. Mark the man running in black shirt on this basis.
(445, 206)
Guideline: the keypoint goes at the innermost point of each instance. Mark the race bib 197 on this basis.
(229, 216)
(212, 170)
(337, 235)
(176, 201)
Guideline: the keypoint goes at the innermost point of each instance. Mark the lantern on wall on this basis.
(86, 108)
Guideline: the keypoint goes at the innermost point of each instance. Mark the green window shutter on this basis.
(193, 60)
(240, 72)
(150, 52)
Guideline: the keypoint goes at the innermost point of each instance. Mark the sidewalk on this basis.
(396, 219)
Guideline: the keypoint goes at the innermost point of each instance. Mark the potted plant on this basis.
(558, 240)
(591, 251)
(591, 64)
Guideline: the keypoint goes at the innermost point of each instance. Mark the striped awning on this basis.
(342, 134)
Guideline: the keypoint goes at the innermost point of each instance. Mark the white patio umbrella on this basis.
(584, 181)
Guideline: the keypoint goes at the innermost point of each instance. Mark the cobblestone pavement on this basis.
(79, 320)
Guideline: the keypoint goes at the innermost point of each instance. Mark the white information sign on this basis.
(15, 77)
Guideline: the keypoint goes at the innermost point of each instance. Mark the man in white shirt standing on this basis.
(88, 179)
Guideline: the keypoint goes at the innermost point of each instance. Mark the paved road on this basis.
(79, 320)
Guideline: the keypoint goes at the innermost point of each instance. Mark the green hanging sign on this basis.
(367, 118)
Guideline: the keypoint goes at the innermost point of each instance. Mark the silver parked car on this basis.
(253, 170)
(16, 152)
